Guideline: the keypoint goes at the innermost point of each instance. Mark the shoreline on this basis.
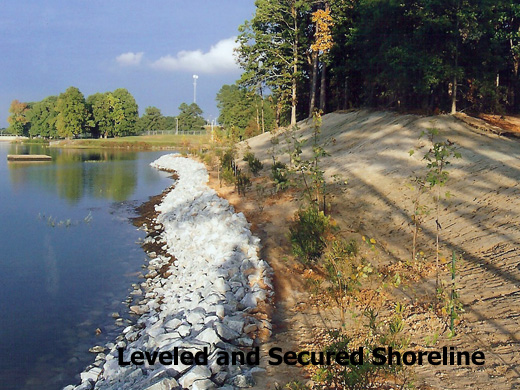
(206, 289)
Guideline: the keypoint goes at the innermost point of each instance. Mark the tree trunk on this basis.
(278, 112)
(345, 99)
(314, 82)
(323, 87)
(257, 114)
(454, 96)
(454, 89)
(295, 66)
(262, 106)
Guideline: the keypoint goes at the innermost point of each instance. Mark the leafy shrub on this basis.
(307, 233)
(243, 182)
(255, 165)
(367, 375)
(228, 159)
(279, 175)
(228, 175)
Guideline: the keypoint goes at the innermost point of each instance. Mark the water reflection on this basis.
(74, 174)
(68, 259)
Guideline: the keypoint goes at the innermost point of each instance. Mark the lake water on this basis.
(68, 257)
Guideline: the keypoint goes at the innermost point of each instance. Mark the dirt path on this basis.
(290, 327)
(480, 222)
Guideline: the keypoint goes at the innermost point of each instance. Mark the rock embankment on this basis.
(212, 297)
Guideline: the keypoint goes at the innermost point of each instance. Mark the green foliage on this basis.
(280, 176)
(108, 116)
(310, 171)
(72, 113)
(308, 233)
(345, 271)
(243, 182)
(296, 385)
(366, 375)
(452, 306)
(130, 112)
(269, 49)
(228, 159)
(255, 165)
(42, 117)
(244, 112)
(152, 120)
(404, 55)
(190, 117)
(18, 121)
(438, 158)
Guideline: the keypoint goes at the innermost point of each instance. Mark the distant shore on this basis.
(143, 142)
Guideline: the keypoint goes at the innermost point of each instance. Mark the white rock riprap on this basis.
(209, 298)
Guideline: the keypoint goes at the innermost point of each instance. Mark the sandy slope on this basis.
(480, 221)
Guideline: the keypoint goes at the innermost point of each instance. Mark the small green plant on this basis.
(260, 193)
(310, 171)
(242, 181)
(296, 385)
(452, 305)
(255, 165)
(345, 270)
(420, 210)
(308, 232)
(438, 157)
(366, 375)
(280, 176)
(227, 166)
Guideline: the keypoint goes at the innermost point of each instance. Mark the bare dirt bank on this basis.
(480, 222)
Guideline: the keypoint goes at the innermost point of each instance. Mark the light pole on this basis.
(177, 128)
(195, 77)
(212, 132)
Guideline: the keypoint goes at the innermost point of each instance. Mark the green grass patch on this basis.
(165, 141)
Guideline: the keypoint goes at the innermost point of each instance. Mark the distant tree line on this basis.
(429, 55)
(189, 118)
(101, 115)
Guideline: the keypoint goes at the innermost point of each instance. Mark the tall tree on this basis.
(272, 38)
(18, 121)
(42, 117)
(190, 117)
(130, 111)
(240, 109)
(72, 113)
(152, 120)
(322, 45)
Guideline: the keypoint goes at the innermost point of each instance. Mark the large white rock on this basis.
(195, 374)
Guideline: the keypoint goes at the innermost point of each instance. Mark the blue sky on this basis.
(150, 47)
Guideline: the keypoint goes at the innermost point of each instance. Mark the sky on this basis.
(152, 48)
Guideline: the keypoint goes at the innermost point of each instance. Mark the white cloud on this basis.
(219, 59)
(130, 59)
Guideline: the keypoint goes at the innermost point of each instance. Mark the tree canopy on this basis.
(431, 55)
(243, 112)
(18, 121)
(152, 120)
(72, 113)
(190, 117)
(109, 114)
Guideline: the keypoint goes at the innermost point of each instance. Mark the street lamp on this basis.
(195, 77)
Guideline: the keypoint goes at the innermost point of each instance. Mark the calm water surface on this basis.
(68, 257)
